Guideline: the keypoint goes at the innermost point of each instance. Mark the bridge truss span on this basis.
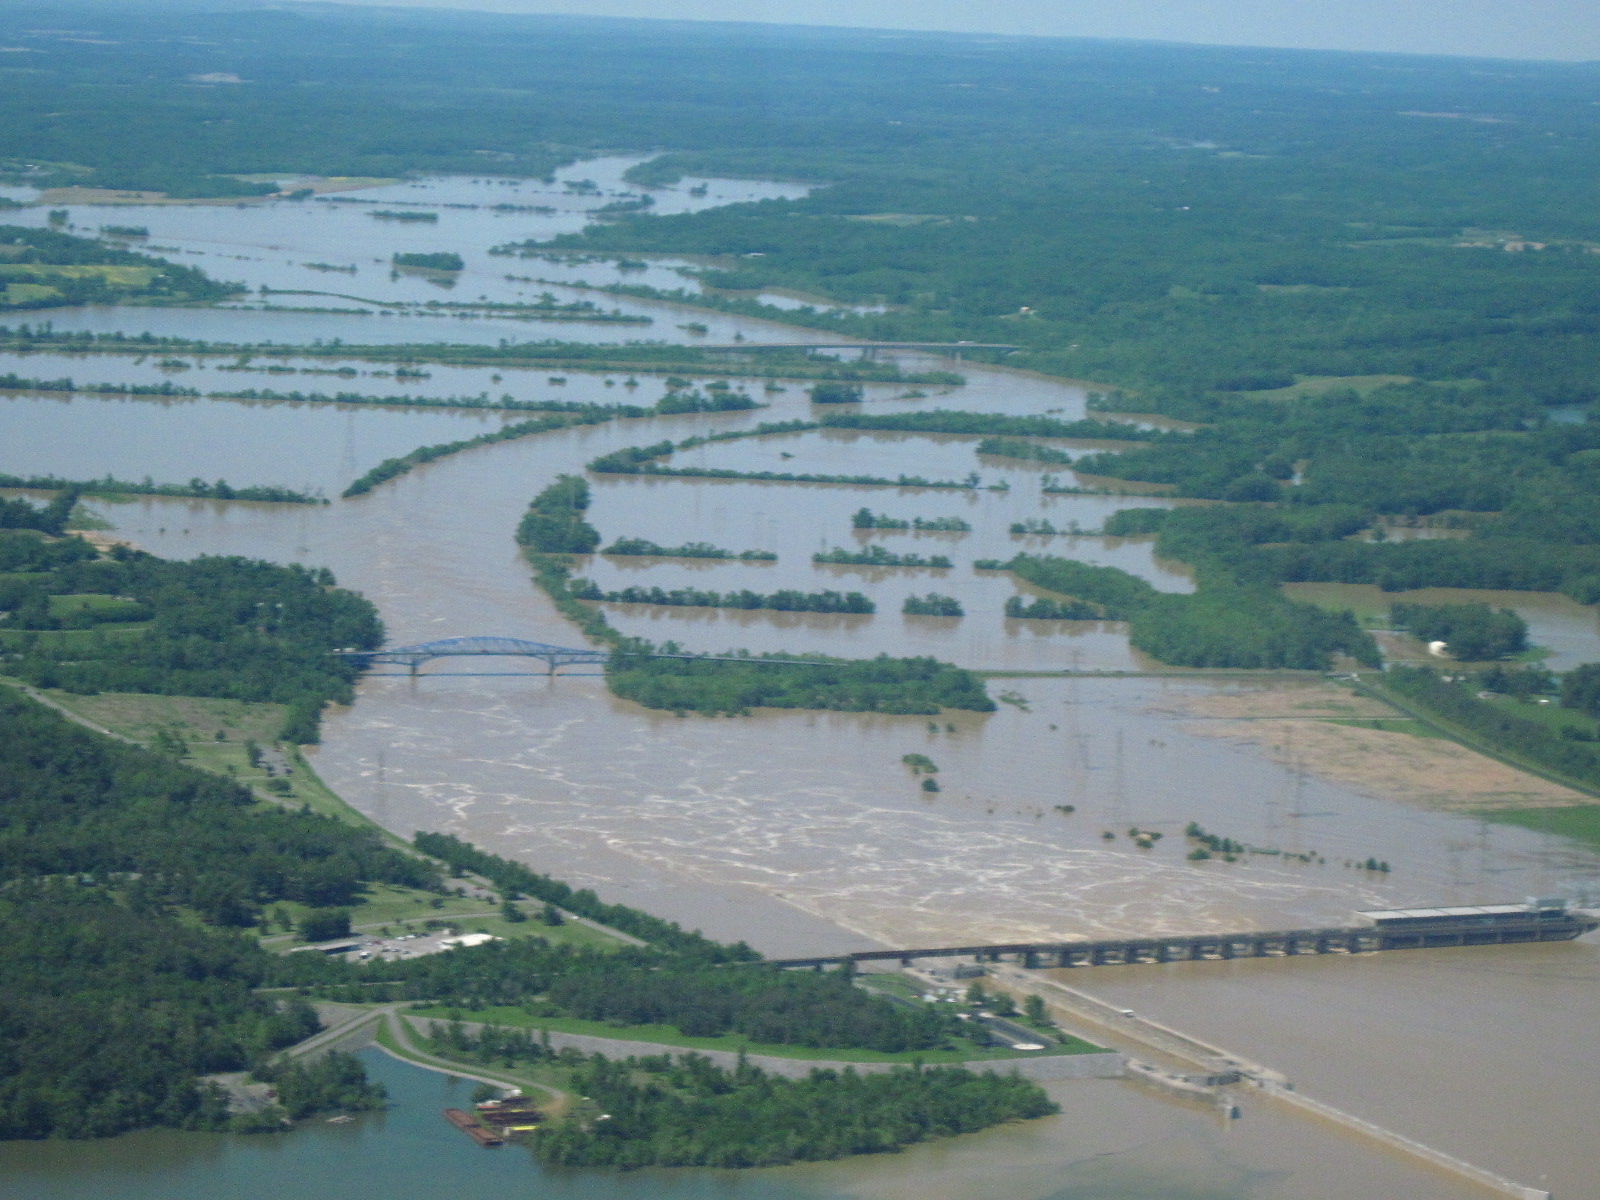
(412, 657)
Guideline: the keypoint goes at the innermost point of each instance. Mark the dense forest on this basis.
(123, 873)
(796, 1008)
(554, 521)
(1470, 632)
(688, 1112)
(127, 876)
(226, 627)
(921, 686)
(49, 518)
(1229, 621)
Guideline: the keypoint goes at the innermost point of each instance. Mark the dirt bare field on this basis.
(1329, 731)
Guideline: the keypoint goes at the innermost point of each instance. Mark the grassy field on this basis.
(107, 608)
(395, 910)
(216, 737)
(18, 294)
(1552, 716)
(1316, 385)
(1335, 598)
(1580, 822)
(668, 1036)
(118, 276)
(892, 984)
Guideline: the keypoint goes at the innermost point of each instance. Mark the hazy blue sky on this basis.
(1567, 29)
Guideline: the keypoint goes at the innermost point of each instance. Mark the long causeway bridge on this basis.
(1539, 920)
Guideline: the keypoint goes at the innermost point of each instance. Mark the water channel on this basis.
(803, 832)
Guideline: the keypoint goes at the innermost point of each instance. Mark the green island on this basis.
(641, 460)
(687, 1111)
(1041, 608)
(877, 556)
(1000, 447)
(554, 529)
(441, 260)
(865, 518)
(645, 547)
(932, 605)
(784, 600)
(18, 383)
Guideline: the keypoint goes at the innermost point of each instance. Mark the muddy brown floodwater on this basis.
(803, 832)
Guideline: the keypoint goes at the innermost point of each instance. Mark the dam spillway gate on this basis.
(1389, 929)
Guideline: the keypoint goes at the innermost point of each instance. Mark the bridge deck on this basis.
(505, 647)
(1270, 944)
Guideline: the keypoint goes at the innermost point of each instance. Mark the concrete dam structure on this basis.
(1536, 920)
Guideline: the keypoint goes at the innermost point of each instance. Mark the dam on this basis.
(1538, 919)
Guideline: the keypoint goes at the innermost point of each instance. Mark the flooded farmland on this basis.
(801, 831)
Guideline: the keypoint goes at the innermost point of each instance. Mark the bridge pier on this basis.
(1468, 931)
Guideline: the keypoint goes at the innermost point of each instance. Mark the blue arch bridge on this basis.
(413, 657)
(476, 647)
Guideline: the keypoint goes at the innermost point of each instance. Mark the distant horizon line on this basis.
(887, 31)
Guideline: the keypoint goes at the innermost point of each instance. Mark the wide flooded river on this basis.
(803, 831)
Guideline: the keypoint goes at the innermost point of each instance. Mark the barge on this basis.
(468, 1125)
(510, 1116)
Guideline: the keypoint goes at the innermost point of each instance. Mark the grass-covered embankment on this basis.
(959, 1050)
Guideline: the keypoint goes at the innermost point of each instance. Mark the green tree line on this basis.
(783, 600)
(227, 627)
(392, 468)
(689, 1112)
(124, 878)
(195, 489)
(922, 686)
